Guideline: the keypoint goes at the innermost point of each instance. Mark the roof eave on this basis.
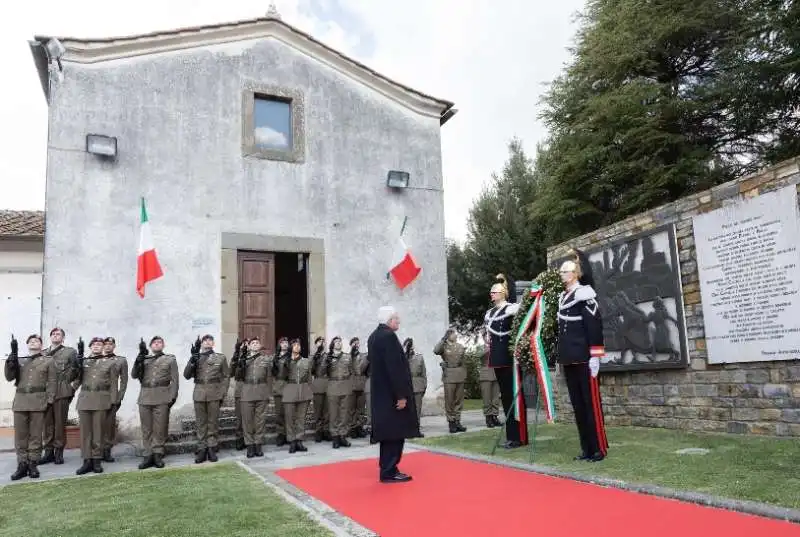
(86, 51)
(40, 60)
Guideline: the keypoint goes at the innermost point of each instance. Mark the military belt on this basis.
(97, 388)
(156, 384)
(340, 378)
(31, 389)
(204, 381)
(254, 381)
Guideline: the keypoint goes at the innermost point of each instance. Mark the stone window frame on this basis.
(297, 108)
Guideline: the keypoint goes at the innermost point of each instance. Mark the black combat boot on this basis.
(146, 463)
(460, 428)
(240, 444)
(48, 456)
(318, 437)
(452, 427)
(344, 442)
(158, 460)
(337, 442)
(489, 422)
(300, 446)
(97, 466)
(250, 452)
(212, 454)
(22, 471)
(496, 422)
(292, 446)
(200, 456)
(33, 471)
(280, 440)
(58, 456)
(85, 468)
(259, 452)
(107, 455)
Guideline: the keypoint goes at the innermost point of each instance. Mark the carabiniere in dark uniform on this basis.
(580, 347)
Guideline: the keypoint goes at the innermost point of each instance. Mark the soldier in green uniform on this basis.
(211, 376)
(281, 357)
(121, 380)
(35, 377)
(363, 369)
(419, 375)
(158, 375)
(359, 404)
(454, 375)
(96, 377)
(321, 416)
(339, 369)
(55, 419)
(254, 374)
(490, 394)
(297, 395)
(239, 348)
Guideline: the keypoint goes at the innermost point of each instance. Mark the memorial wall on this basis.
(701, 309)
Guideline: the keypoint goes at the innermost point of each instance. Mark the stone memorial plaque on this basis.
(638, 285)
(748, 262)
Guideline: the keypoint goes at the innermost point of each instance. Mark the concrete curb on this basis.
(742, 506)
(324, 515)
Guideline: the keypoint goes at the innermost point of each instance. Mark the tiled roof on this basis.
(21, 223)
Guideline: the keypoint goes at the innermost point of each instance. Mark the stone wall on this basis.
(756, 398)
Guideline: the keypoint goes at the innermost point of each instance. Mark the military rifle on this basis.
(13, 360)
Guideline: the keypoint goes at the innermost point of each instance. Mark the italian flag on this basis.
(148, 268)
(404, 268)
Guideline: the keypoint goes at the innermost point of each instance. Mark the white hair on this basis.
(385, 313)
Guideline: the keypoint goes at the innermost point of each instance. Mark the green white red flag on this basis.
(148, 267)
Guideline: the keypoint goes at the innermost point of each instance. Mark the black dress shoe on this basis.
(512, 444)
(597, 457)
(396, 478)
(581, 457)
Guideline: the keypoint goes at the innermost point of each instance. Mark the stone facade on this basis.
(756, 398)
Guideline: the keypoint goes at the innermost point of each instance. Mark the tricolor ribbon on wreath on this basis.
(532, 324)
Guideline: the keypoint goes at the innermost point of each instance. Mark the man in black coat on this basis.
(394, 413)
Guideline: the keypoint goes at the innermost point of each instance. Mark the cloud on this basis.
(492, 58)
(271, 138)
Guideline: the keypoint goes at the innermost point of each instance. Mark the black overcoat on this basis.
(389, 381)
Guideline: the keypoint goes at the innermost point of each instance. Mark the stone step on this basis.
(188, 444)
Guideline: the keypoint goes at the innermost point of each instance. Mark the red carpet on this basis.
(456, 497)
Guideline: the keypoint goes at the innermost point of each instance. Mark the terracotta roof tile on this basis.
(21, 223)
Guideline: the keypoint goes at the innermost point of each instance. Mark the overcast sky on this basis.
(492, 61)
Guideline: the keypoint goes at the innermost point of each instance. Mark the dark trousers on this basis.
(391, 451)
(505, 380)
(584, 394)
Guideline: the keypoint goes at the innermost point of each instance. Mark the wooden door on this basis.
(257, 297)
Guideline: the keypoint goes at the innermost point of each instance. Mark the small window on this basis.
(272, 123)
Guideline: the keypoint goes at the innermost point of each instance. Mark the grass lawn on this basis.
(222, 499)
(473, 404)
(759, 469)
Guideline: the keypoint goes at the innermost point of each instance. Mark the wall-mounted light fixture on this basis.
(101, 145)
(397, 179)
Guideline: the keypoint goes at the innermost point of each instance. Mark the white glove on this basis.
(594, 366)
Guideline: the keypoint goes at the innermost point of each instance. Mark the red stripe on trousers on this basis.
(599, 423)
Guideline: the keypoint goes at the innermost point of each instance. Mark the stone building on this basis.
(737, 391)
(21, 253)
(277, 173)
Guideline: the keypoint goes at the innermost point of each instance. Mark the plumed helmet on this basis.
(506, 286)
(584, 268)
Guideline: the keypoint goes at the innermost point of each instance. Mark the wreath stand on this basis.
(532, 439)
